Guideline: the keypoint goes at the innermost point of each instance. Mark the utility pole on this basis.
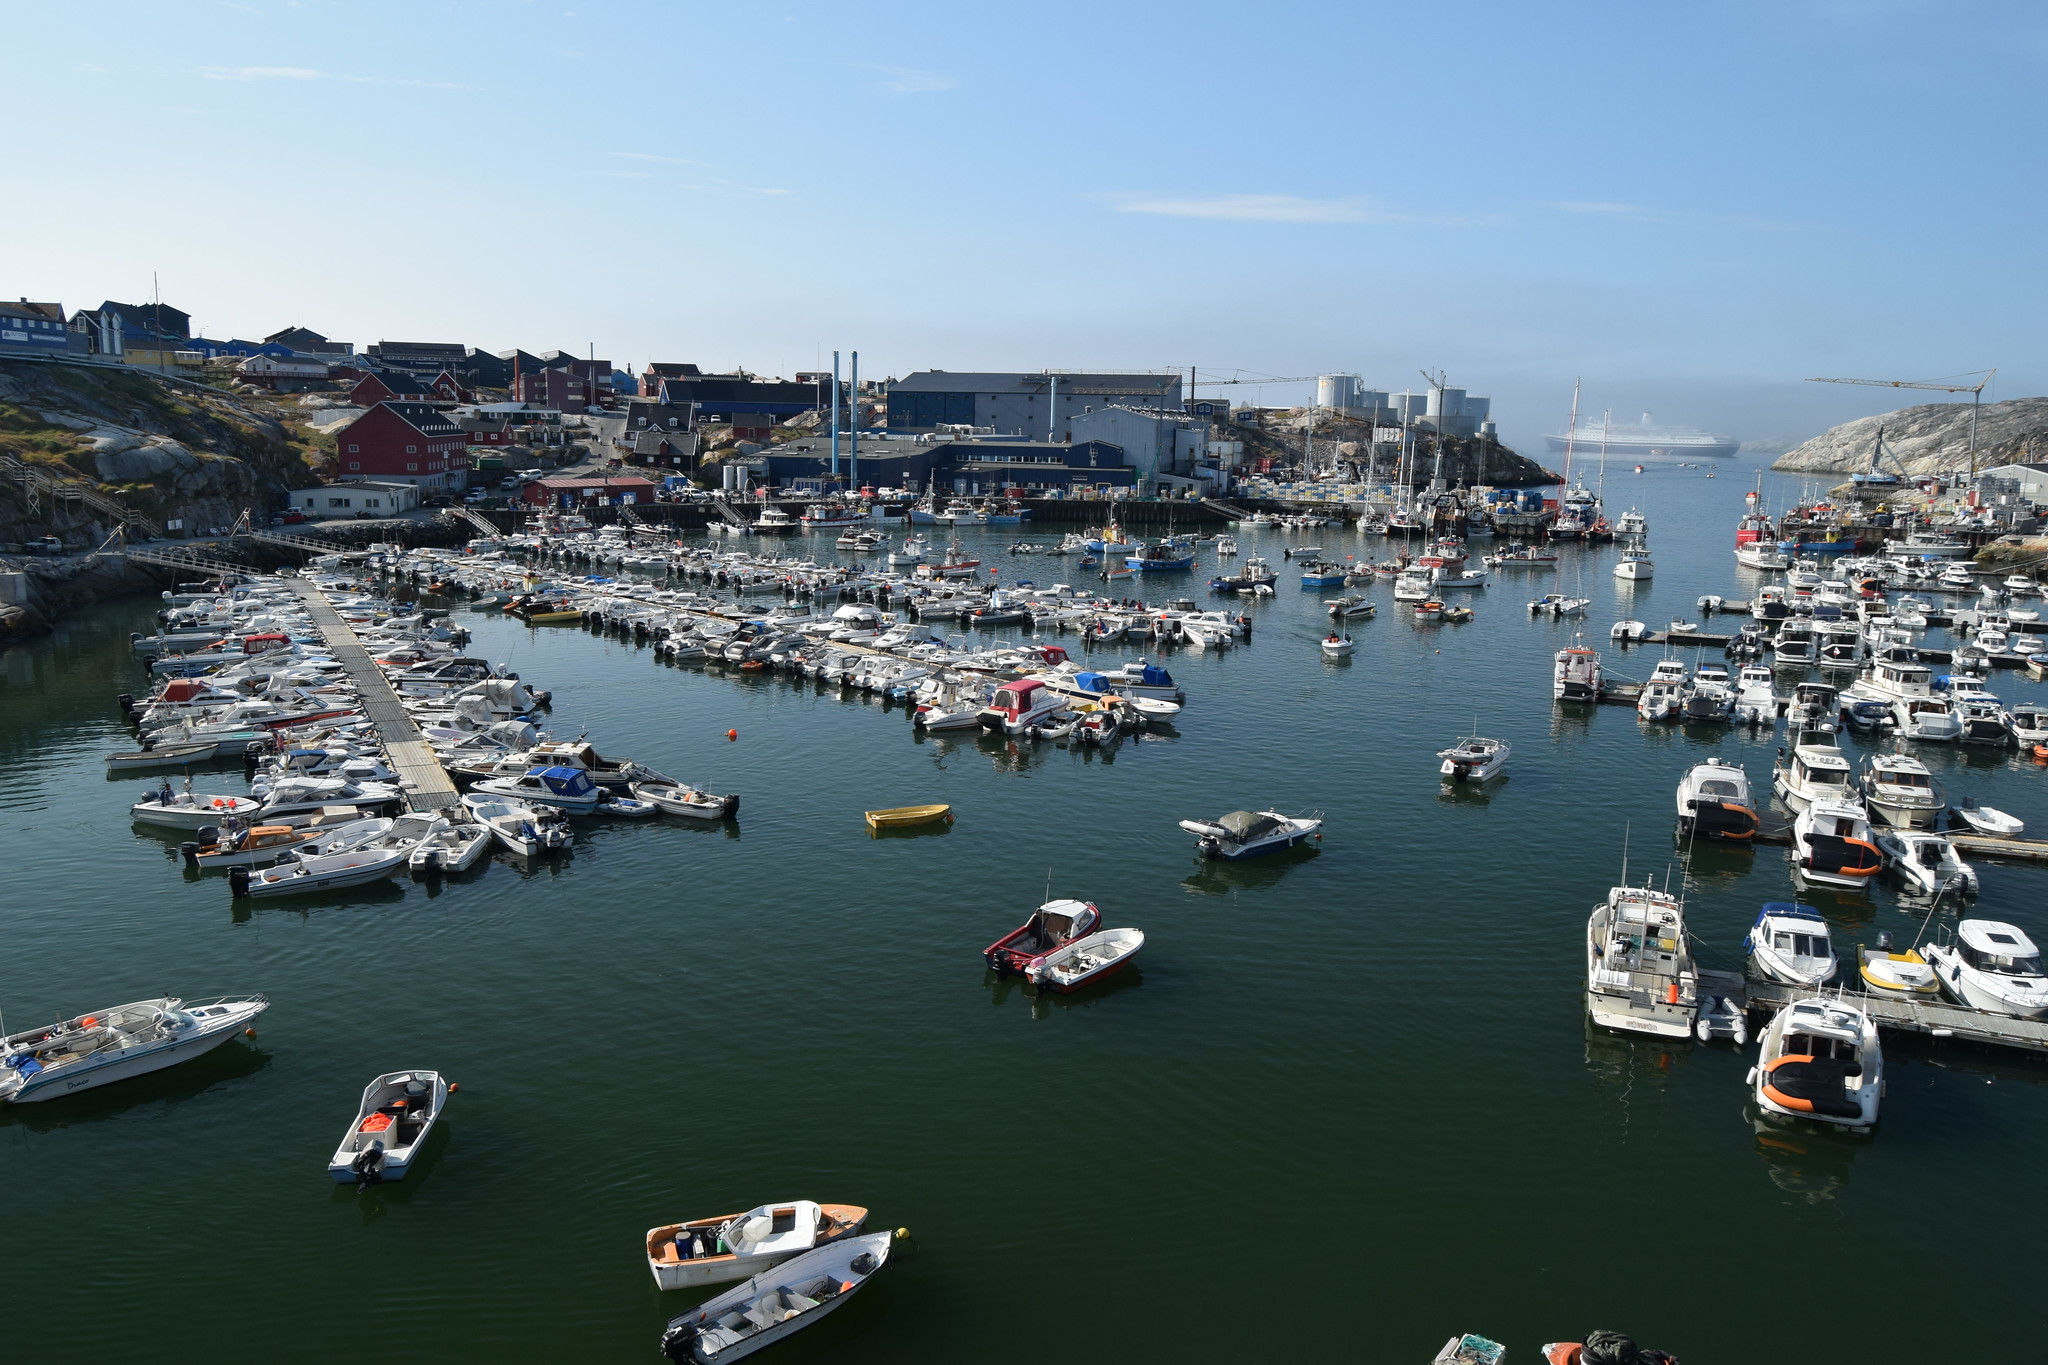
(835, 414)
(853, 466)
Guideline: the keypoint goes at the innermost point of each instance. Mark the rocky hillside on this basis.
(169, 450)
(1931, 438)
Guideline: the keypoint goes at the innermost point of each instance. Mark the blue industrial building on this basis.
(965, 468)
(1036, 406)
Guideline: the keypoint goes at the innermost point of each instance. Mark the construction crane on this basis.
(1976, 392)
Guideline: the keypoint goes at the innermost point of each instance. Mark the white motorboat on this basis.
(1756, 697)
(1820, 1059)
(1071, 966)
(455, 848)
(1629, 632)
(1991, 966)
(260, 845)
(1979, 719)
(1926, 863)
(734, 1246)
(308, 873)
(1351, 606)
(1812, 772)
(1831, 844)
(677, 798)
(523, 829)
(396, 1116)
(1635, 565)
(1926, 718)
(1336, 645)
(1660, 699)
(1900, 791)
(566, 789)
(1246, 833)
(1639, 968)
(166, 755)
(1576, 675)
(1904, 975)
(1813, 707)
(1474, 759)
(185, 810)
(2028, 723)
(1989, 821)
(293, 796)
(1555, 604)
(1714, 802)
(111, 1045)
(1789, 944)
(777, 1302)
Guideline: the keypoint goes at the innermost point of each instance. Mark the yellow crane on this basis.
(1976, 392)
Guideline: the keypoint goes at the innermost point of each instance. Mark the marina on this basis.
(774, 759)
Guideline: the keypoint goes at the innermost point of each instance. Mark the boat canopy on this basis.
(564, 781)
(1787, 910)
(1996, 937)
(1247, 825)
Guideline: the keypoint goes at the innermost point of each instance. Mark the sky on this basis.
(1691, 209)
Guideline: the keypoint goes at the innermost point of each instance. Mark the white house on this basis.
(359, 495)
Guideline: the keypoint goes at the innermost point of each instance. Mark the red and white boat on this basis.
(1017, 706)
(1052, 925)
(1068, 969)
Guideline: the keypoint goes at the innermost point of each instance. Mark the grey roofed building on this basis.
(1019, 404)
(306, 341)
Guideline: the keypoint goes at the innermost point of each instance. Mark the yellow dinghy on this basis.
(900, 817)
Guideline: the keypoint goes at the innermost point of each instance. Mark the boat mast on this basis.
(1601, 494)
(1571, 431)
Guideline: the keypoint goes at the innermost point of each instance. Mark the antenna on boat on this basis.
(1626, 826)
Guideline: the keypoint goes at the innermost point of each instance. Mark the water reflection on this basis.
(231, 1061)
(1806, 1160)
(1223, 876)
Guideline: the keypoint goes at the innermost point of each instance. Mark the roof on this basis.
(425, 417)
(1996, 936)
(1787, 910)
(293, 336)
(672, 370)
(51, 312)
(450, 349)
(627, 482)
(987, 381)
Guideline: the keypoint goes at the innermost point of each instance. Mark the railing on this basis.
(38, 484)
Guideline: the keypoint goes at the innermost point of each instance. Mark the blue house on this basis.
(37, 329)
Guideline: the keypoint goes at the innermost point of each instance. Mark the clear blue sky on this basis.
(1694, 207)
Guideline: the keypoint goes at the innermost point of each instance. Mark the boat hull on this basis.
(52, 1085)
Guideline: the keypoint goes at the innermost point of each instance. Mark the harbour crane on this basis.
(1976, 392)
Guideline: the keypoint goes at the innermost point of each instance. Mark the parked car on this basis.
(477, 495)
(43, 545)
(438, 500)
(291, 516)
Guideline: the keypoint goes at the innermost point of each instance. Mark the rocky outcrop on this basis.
(1933, 438)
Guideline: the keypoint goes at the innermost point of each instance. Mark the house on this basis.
(350, 496)
(752, 426)
(420, 359)
(721, 395)
(1030, 405)
(306, 341)
(486, 431)
(483, 370)
(418, 443)
(651, 377)
(560, 388)
(382, 388)
(586, 491)
(283, 374)
(38, 329)
(676, 449)
(642, 415)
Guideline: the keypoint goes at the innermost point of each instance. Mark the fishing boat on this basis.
(735, 1245)
(1068, 968)
(777, 1302)
(1576, 676)
(1988, 820)
(676, 798)
(455, 848)
(1523, 557)
(392, 1124)
(1639, 968)
(1789, 944)
(1052, 925)
(1926, 863)
(308, 873)
(1247, 834)
(1429, 610)
(1831, 844)
(1336, 645)
(1317, 574)
(184, 810)
(1162, 556)
(1714, 802)
(1635, 565)
(903, 817)
(109, 1045)
(522, 829)
(1474, 759)
(1820, 1059)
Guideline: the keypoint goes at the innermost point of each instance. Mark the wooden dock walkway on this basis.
(427, 784)
(1931, 1018)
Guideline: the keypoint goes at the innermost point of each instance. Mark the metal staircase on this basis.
(40, 485)
(1222, 508)
(726, 510)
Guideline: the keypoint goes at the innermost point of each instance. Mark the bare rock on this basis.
(1932, 438)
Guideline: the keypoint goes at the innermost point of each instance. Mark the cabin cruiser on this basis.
(1820, 1059)
(563, 788)
(1017, 706)
(1247, 834)
(1756, 697)
(1865, 715)
(1052, 925)
(1812, 708)
(1576, 676)
(1900, 791)
(1660, 699)
(1894, 676)
(1991, 966)
(1635, 565)
(1714, 802)
(1926, 718)
(393, 1121)
(1980, 719)
(1812, 772)
(1708, 698)
(1795, 643)
(1831, 844)
(1924, 544)
(2028, 724)
(310, 795)
(1839, 644)
(1789, 944)
(1474, 759)
(777, 1302)
(1639, 968)
(1926, 864)
(1770, 604)
(734, 1246)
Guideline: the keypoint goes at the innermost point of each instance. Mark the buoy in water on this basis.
(453, 1087)
(902, 1233)
(732, 734)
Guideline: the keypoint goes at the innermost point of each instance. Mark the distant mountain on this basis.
(1932, 438)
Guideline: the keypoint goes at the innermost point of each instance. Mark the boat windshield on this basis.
(1906, 779)
(1800, 945)
(2003, 964)
(1826, 777)
(1721, 788)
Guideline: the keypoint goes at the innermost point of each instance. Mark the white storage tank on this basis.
(1337, 391)
(1446, 402)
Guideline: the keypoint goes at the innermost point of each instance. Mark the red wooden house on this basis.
(415, 442)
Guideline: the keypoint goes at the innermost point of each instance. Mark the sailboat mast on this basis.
(1571, 431)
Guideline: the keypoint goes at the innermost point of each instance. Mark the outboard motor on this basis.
(238, 881)
(126, 701)
(679, 1341)
(368, 1167)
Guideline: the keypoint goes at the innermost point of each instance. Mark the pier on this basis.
(426, 783)
(1930, 1017)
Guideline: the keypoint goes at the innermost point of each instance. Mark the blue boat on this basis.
(1320, 575)
(1163, 556)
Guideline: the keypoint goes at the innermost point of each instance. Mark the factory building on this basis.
(1038, 406)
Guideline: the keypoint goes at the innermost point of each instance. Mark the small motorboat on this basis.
(564, 788)
(1790, 944)
(1429, 610)
(1336, 645)
(626, 807)
(1246, 833)
(1558, 604)
(1629, 632)
(1992, 966)
(454, 848)
(736, 1245)
(1679, 627)
(1831, 844)
(1152, 708)
(1359, 606)
(111, 1045)
(1056, 726)
(1721, 1017)
(777, 1302)
(1069, 968)
(1456, 615)
(264, 844)
(1989, 821)
(163, 756)
(1052, 925)
(902, 817)
(184, 810)
(1714, 802)
(1820, 1059)
(1474, 759)
(312, 872)
(1904, 974)
(1926, 863)
(396, 1116)
(678, 798)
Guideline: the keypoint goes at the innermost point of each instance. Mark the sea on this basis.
(1346, 1105)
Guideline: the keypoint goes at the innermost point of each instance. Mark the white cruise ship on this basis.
(1643, 438)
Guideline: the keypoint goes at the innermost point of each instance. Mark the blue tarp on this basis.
(1154, 676)
(564, 781)
(1091, 682)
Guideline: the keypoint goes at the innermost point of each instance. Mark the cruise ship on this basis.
(1629, 441)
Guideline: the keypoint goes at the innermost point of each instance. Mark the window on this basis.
(355, 464)
(336, 502)
(412, 468)
(412, 450)
(353, 450)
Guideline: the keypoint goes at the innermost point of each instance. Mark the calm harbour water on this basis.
(1346, 1105)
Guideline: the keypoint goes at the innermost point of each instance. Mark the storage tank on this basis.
(1478, 409)
(1337, 391)
(1446, 402)
(1407, 406)
(1373, 400)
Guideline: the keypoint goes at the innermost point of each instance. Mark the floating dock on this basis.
(426, 783)
(1926, 1016)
